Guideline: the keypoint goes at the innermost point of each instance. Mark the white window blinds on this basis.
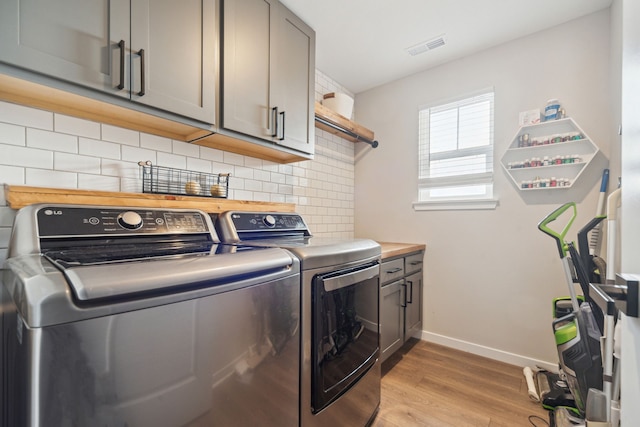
(456, 149)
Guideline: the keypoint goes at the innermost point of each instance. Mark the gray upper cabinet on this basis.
(121, 47)
(268, 74)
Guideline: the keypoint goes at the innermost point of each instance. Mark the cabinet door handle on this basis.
(416, 262)
(283, 119)
(142, 90)
(410, 299)
(121, 46)
(393, 270)
(403, 300)
(274, 120)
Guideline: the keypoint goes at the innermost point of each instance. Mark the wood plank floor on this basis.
(425, 384)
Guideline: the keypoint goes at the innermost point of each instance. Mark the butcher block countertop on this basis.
(390, 250)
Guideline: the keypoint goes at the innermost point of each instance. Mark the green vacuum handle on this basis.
(559, 236)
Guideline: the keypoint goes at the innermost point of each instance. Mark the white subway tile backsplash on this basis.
(185, 149)
(172, 161)
(23, 156)
(255, 186)
(269, 187)
(130, 185)
(12, 134)
(198, 165)
(128, 170)
(51, 178)
(120, 135)
(94, 147)
(135, 154)
(25, 116)
(98, 182)
(261, 197)
(243, 195)
(75, 126)
(223, 168)
(156, 143)
(52, 141)
(243, 172)
(278, 178)
(211, 154)
(76, 163)
(233, 159)
(277, 198)
(11, 175)
(253, 163)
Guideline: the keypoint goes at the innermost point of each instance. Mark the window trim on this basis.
(467, 202)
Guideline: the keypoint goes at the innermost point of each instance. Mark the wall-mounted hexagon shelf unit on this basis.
(549, 155)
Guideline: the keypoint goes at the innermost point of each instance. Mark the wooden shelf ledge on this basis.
(336, 124)
(20, 196)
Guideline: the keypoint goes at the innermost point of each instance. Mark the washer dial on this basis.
(130, 220)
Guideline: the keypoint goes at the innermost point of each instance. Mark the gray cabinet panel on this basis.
(178, 39)
(268, 78)
(71, 40)
(246, 104)
(391, 318)
(295, 74)
(413, 311)
(400, 301)
(99, 44)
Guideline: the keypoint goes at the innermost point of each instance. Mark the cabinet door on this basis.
(294, 82)
(246, 49)
(70, 40)
(391, 318)
(413, 311)
(173, 56)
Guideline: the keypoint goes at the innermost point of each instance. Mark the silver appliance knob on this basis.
(130, 220)
(269, 221)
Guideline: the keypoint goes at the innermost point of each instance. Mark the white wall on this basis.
(40, 148)
(490, 276)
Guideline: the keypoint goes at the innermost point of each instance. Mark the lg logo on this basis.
(52, 212)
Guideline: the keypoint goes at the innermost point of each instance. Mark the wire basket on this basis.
(164, 180)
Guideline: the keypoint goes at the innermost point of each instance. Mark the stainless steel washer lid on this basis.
(320, 252)
(289, 231)
(45, 295)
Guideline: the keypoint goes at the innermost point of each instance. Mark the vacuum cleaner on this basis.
(578, 333)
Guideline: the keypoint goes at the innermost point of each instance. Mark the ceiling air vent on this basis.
(425, 46)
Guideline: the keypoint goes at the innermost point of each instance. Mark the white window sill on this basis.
(456, 205)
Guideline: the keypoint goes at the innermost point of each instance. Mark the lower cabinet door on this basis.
(391, 318)
(413, 310)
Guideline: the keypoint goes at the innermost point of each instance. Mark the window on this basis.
(456, 153)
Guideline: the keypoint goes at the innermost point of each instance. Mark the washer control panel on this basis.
(262, 221)
(59, 221)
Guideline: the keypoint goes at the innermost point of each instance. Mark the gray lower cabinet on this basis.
(391, 318)
(159, 53)
(268, 74)
(400, 301)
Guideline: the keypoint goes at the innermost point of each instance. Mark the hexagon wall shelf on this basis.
(549, 155)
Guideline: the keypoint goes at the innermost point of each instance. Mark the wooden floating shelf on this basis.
(336, 124)
(20, 196)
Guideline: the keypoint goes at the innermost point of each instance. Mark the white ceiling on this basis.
(362, 43)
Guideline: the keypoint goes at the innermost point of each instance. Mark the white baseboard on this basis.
(491, 353)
